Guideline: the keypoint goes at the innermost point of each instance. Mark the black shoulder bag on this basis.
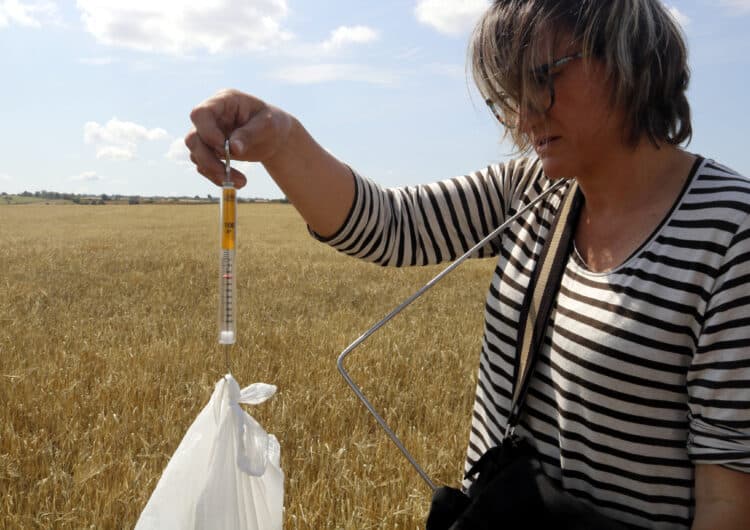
(510, 490)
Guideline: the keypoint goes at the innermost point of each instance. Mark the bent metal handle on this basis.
(401, 307)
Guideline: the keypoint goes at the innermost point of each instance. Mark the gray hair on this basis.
(638, 41)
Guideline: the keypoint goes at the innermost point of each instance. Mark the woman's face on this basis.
(580, 132)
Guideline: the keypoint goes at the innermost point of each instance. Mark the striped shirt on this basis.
(645, 370)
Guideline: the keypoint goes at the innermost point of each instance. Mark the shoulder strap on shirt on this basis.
(540, 295)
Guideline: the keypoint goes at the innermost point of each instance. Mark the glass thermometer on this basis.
(227, 276)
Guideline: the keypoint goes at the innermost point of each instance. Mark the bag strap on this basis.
(540, 295)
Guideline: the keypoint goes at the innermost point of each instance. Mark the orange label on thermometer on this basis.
(228, 218)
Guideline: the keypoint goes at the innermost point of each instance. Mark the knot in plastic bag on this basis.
(226, 473)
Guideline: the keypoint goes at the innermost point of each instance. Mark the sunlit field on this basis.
(108, 351)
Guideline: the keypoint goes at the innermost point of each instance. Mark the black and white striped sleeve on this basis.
(430, 223)
(719, 376)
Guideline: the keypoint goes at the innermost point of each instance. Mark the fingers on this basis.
(213, 121)
(209, 164)
(219, 115)
(262, 136)
(238, 178)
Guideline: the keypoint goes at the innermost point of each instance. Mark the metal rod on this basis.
(340, 362)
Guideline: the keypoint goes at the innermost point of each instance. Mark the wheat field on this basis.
(108, 352)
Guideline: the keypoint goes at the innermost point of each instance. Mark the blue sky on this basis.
(96, 94)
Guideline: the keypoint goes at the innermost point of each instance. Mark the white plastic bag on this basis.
(225, 474)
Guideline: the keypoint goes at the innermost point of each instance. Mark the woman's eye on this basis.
(541, 75)
(541, 78)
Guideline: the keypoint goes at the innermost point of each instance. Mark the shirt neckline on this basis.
(581, 263)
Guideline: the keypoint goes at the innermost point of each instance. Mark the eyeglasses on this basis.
(540, 100)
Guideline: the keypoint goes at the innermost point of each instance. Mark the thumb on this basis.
(236, 145)
(264, 135)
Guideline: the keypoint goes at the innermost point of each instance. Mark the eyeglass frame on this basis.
(540, 72)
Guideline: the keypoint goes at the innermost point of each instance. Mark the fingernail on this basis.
(237, 146)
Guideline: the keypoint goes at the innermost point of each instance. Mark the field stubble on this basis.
(108, 352)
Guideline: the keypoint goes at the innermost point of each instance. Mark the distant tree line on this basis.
(104, 198)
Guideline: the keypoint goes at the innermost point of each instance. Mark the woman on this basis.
(639, 404)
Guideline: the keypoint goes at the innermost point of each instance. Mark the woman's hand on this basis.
(319, 185)
(257, 132)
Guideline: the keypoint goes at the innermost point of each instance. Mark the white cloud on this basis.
(178, 152)
(118, 140)
(118, 131)
(678, 15)
(113, 152)
(344, 35)
(5, 178)
(452, 17)
(86, 176)
(741, 5)
(28, 14)
(327, 72)
(178, 27)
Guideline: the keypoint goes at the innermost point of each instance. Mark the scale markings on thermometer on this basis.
(227, 279)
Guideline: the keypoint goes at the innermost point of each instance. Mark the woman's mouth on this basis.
(544, 142)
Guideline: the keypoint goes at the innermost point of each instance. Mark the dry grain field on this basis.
(108, 351)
